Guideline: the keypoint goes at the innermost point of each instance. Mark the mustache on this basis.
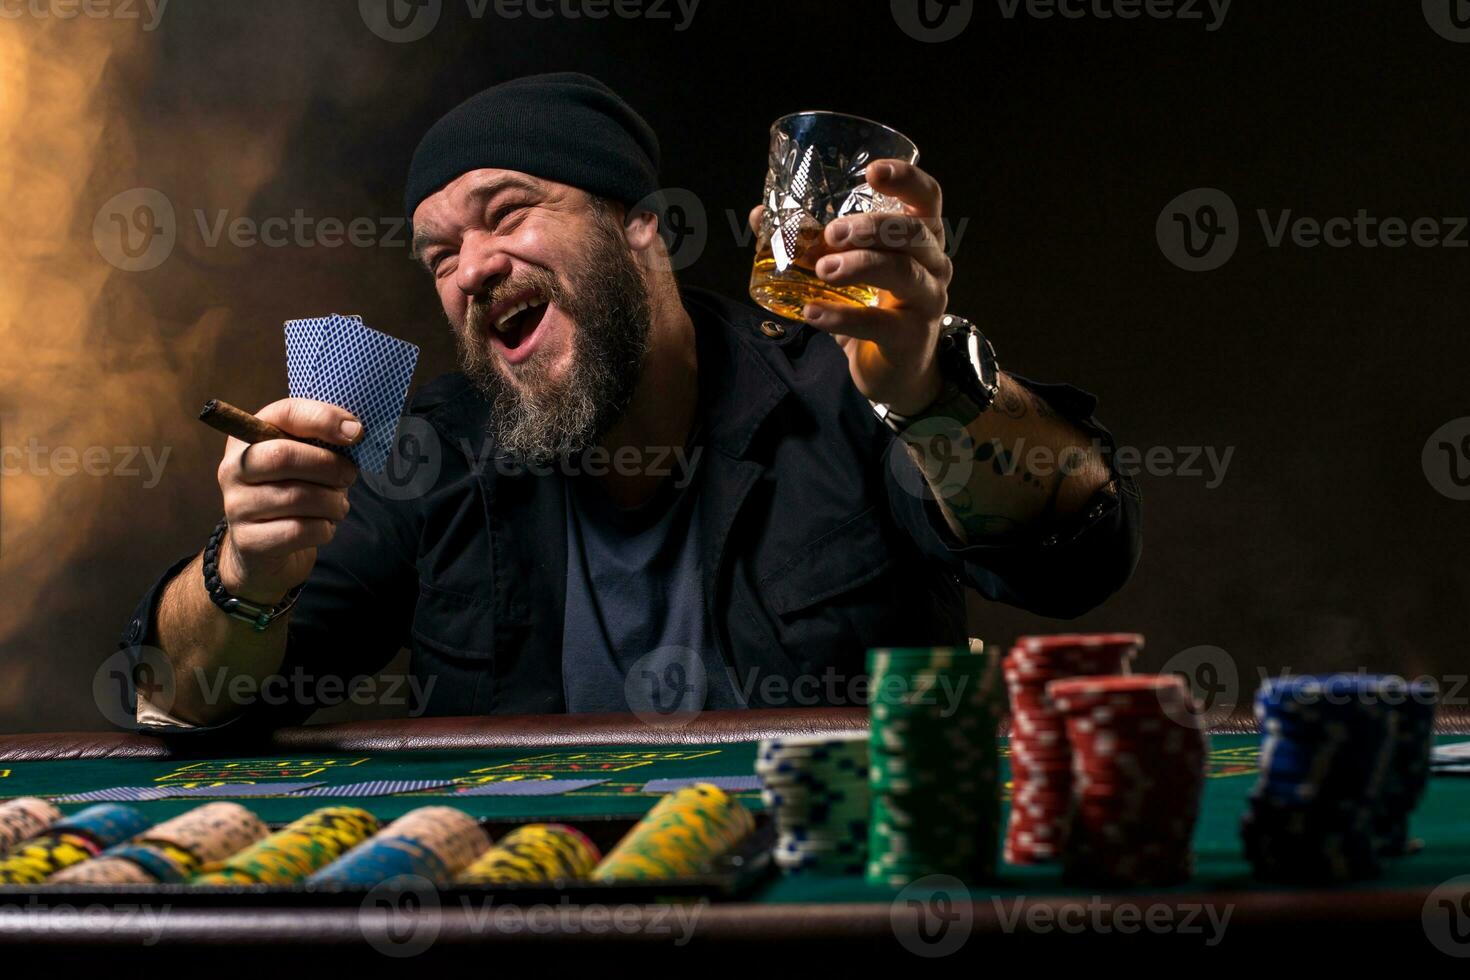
(543, 282)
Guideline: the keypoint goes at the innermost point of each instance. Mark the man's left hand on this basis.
(890, 347)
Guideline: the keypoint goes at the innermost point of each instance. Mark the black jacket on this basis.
(813, 550)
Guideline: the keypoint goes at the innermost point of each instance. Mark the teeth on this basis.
(502, 324)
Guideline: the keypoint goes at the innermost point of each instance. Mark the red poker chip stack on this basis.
(1138, 765)
(1041, 759)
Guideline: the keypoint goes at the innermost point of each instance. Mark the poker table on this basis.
(621, 765)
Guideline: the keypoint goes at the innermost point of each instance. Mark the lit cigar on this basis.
(239, 423)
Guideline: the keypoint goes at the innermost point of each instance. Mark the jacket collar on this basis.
(739, 383)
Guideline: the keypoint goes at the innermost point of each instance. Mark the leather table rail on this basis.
(503, 731)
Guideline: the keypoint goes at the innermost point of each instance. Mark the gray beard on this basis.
(538, 418)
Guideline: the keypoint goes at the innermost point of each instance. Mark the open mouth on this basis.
(517, 324)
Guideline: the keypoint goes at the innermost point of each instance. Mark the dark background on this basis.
(1059, 141)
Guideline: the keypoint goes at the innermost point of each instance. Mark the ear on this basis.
(641, 231)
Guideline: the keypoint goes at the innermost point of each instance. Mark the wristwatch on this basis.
(970, 373)
(258, 616)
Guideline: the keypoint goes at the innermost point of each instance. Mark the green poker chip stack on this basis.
(934, 764)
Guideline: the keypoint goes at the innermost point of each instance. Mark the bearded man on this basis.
(636, 495)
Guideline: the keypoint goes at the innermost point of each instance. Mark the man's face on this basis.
(546, 300)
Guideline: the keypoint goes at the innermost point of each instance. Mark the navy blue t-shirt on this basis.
(636, 634)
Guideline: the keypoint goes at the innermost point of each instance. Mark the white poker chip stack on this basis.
(816, 790)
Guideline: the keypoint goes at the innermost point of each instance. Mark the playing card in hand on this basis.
(340, 360)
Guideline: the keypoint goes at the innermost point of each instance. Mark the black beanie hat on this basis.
(567, 127)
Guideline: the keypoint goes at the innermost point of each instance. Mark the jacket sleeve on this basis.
(351, 619)
(1062, 572)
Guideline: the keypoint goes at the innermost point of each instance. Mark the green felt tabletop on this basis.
(1441, 821)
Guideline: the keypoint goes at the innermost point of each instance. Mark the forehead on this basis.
(468, 193)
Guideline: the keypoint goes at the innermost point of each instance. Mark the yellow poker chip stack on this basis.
(535, 852)
(69, 841)
(24, 818)
(684, 834)
(432, 842)
(173, 851)
(291, 854)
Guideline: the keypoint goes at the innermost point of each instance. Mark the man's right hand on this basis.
(283, 499)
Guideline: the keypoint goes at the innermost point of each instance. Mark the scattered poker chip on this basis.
(933, 764)
(70, 841)
(538, 852)
(295, 852)
(1040, 752)
(685, 833)
(816, 789)
(431, 842)
(1344, 760)
(1137, 780)
(24, 818)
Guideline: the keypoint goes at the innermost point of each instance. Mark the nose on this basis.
(481, 265)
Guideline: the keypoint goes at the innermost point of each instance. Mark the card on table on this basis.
(232, 790)
(731, 784)
(343, 361)
(115, 794)
(529, 787)
(376, 787)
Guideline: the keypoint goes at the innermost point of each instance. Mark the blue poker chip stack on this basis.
(1331, 798)
(1408, 771)
(106, 824)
